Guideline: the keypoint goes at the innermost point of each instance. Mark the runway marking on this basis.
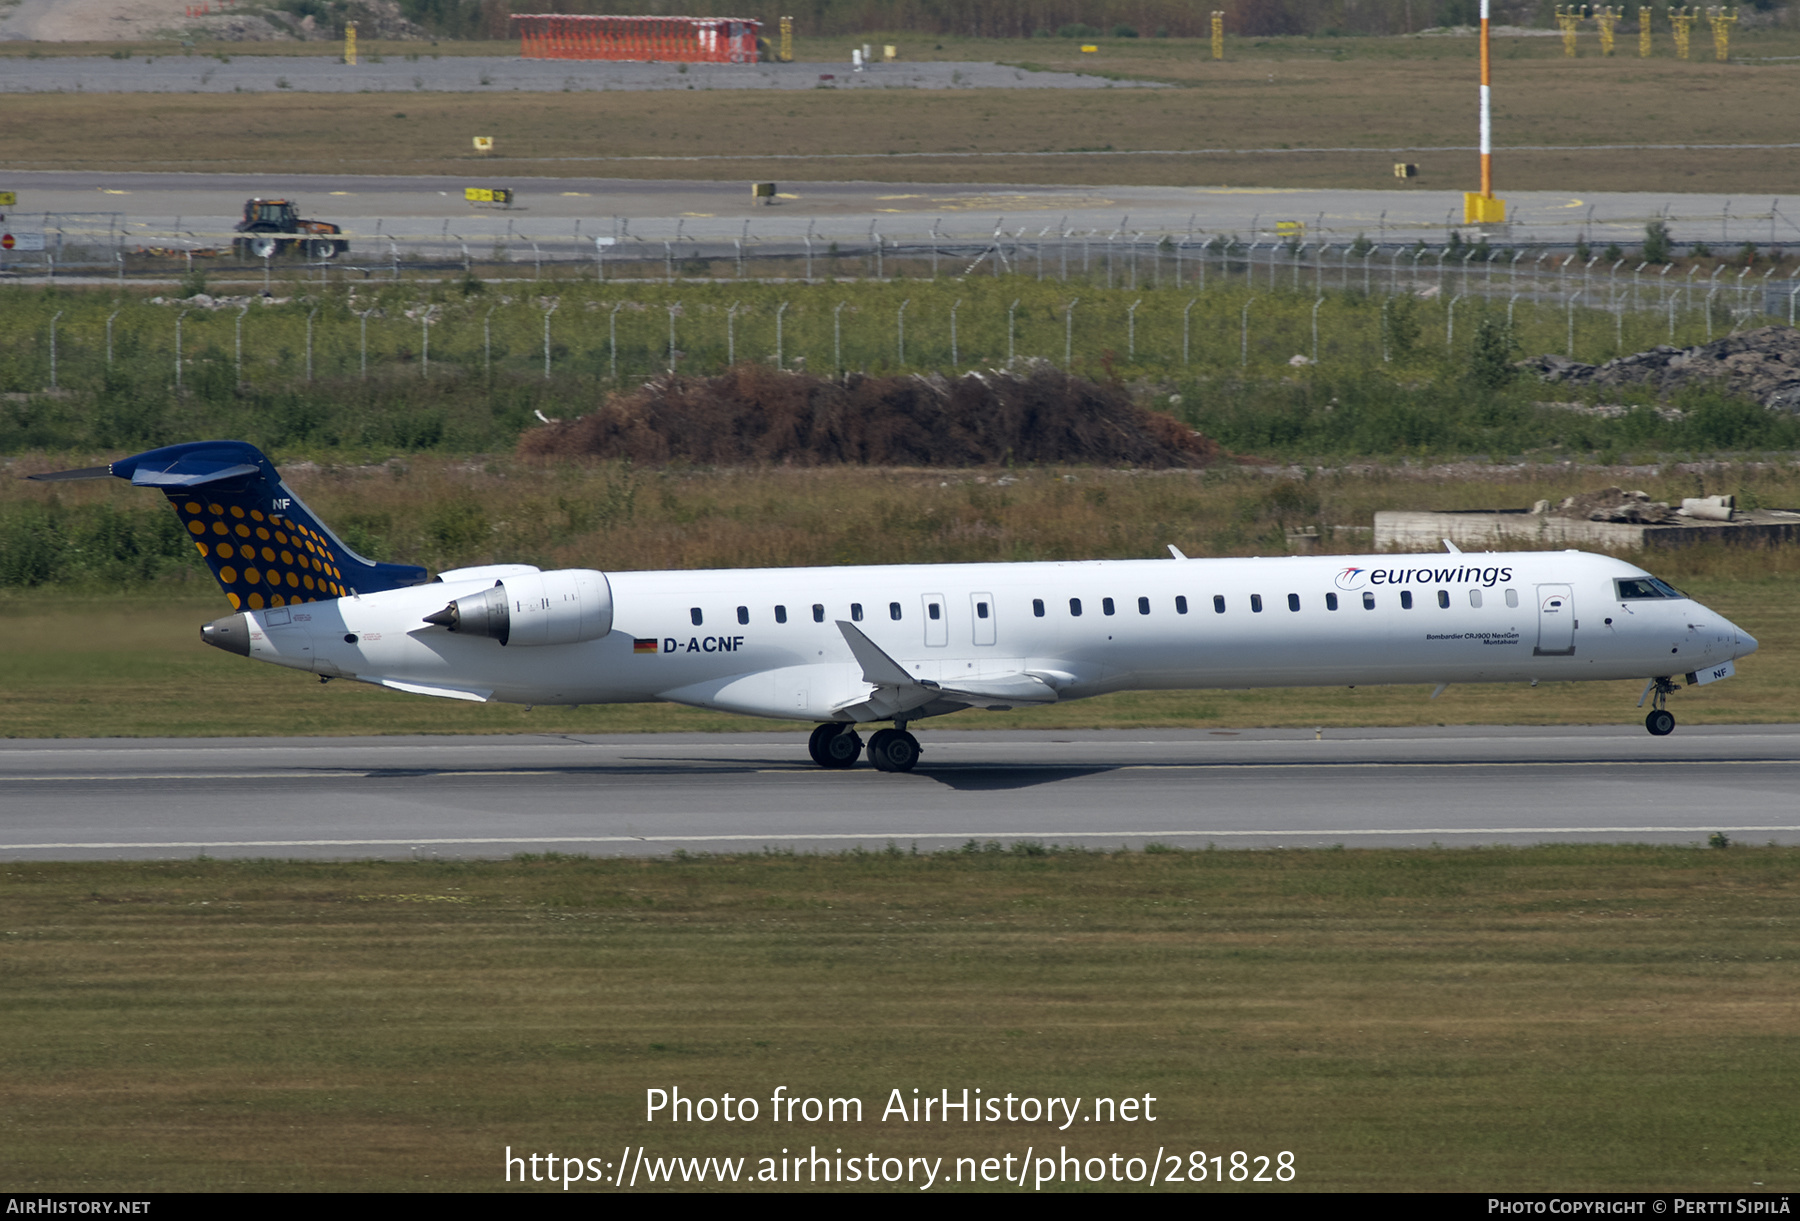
(1326, 833)
(398, 770)
(1178, 152)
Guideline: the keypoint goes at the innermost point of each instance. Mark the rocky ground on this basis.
(1763, 364)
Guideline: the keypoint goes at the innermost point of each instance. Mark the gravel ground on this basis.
(319, 74)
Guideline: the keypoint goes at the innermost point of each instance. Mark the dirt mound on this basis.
(752, 415)
(1763, 364)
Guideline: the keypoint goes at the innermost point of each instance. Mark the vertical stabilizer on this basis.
(262, 543)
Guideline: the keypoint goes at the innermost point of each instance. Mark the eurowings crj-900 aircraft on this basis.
(849, 646)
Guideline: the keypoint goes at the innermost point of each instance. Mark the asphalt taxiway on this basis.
(654, 794)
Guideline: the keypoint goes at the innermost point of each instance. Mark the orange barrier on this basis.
(694, 40)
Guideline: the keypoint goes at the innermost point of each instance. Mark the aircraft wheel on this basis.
(834, 745)
(894, 750)
(1661, 722)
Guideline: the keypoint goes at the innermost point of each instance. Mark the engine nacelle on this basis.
(563, 607)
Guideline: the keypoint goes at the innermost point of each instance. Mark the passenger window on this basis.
(1330, 601)
(856, 612)
(1368, 601)
(1037, 607)
(1475, 598)
(695, 615)
(1181, 604)
(1512, 597)
(818, 612)
(1106, 606)
(781, 614)
(743, 614)
(1075, 607)
(1293, 602)
(934, 610)
(1143, 606)
(893, 610)
(980, 610)
(1218, 604)
(1406, 599)
(1256, 603)
(1444, 598)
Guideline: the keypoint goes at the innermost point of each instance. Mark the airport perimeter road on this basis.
(185, 209)
(653, 794)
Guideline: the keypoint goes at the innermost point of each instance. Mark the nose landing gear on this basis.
(834, 745)
(1660, 721)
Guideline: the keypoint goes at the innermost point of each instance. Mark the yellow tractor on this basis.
(274, 227)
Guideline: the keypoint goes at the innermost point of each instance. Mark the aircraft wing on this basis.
(896, 691)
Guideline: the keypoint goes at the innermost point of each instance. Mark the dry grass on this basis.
(1569, 1018)
(1294, 93)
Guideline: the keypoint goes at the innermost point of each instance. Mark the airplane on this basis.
(849, 646)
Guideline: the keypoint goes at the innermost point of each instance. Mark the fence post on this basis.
(537, 257)
(547, 314)
(612, 336)
(809, 233)
(1069, 334)
(1184, 329)
(1011, 310)
(487, 343)
(837, 336)
(53, 318)
(238, 341)
(934, 246)
(672, 309)
(1244, 351)
(1573, 298)
(957, 304)
(1386, 301)
(183, 314)
(880, 268)
(115, 314)
(731, 335)
(425, 344)
(1315, 326)
(779, 354)
(309, 342)
(1450, 322)
(1131, 329)
(900, 330)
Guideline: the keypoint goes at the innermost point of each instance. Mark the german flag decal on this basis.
(643, 646)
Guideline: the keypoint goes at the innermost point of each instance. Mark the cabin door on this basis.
(1556, 621)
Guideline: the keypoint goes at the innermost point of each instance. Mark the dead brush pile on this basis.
(753, 415)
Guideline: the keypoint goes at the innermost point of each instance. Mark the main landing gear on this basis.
(838, 746)
(1660, 721)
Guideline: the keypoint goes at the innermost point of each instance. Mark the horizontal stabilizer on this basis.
(190, 474)
(86, 472)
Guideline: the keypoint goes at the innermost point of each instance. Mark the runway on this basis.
(656, 794)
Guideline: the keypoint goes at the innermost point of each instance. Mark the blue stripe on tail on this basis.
(260, 540)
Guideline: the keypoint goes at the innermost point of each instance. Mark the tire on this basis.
(842, 750)
(321, 249)
(894, 750)
(263, 247)
(815, 745)
(1660, 723)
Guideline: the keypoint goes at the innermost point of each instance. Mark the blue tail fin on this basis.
(262, 543)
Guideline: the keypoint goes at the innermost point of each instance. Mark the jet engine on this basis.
(563, 607)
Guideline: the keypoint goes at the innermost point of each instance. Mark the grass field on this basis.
(1560, 1018)
(1289, 94)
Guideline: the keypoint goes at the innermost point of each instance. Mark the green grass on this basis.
(1561, 1018)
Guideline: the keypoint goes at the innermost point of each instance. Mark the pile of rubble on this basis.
(1763, 365)
(1637, 509)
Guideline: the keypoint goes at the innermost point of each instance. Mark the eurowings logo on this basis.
(1351, 578)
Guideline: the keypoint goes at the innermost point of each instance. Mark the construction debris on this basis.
(1763, 365)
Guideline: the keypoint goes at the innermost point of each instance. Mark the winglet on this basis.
(1176, 552)
(877, 667)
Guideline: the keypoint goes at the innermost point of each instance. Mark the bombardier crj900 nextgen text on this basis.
(843, 646)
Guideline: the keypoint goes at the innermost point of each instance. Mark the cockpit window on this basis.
(1632, 589)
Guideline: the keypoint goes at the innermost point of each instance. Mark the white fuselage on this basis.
(1450, 618)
